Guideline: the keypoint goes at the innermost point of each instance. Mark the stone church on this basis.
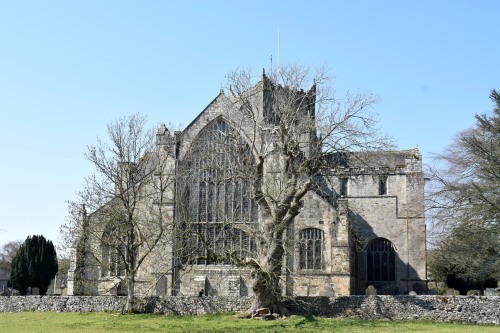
(361, 226)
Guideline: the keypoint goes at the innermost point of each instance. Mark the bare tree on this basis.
(130, 204)
(278, 137)
(7, 253)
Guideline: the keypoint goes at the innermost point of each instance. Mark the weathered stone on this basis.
(243, 315)
(262, 312)
(351, 207)
(433, 291)
(472, 309)
(371, 290)
(491, 292)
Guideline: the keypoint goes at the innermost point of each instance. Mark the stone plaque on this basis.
(233, 285)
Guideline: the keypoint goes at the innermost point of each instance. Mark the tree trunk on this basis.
(266, 282)
(267, 293)
(129, 307)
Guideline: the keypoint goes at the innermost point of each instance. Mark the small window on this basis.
(343, 186)
(382, 185)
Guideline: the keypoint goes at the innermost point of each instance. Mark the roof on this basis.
(391, 159)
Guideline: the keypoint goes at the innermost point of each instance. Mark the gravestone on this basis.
(417, 287)
(491, 292)
(474, 293)
(35, 291)
(161, 286)
(329, 291)
(371, 290)
(412, 293)
(452, 292)
(433, 291)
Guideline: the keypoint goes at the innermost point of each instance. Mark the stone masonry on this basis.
(470, 309)
(363, 224)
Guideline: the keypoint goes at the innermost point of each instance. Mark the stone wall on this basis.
(472, 309)
(154, 304)
(62, 303)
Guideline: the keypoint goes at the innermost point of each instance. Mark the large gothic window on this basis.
(112, 253)
(311, 249)
(218, 204)
(380, 261)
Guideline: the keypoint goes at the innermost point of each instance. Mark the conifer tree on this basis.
(34, 265)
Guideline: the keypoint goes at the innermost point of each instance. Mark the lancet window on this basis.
(382, 185)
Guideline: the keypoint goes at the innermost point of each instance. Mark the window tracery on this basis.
(381, 261)
(220, 196)
(112, 253)
(311, 249)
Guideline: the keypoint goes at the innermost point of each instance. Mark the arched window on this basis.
(216, 173)
(311, 249)
(113, 253)
(380, 261)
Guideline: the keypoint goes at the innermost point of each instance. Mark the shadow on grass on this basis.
(308, 319)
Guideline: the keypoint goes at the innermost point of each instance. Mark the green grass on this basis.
(106, 322)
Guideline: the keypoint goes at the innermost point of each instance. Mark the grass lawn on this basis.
(106, 322)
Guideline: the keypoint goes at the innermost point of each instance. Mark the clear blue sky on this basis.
(67, 68)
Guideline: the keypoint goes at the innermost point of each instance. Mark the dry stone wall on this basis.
(154, 304)
(472, 309)
(62, 303)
